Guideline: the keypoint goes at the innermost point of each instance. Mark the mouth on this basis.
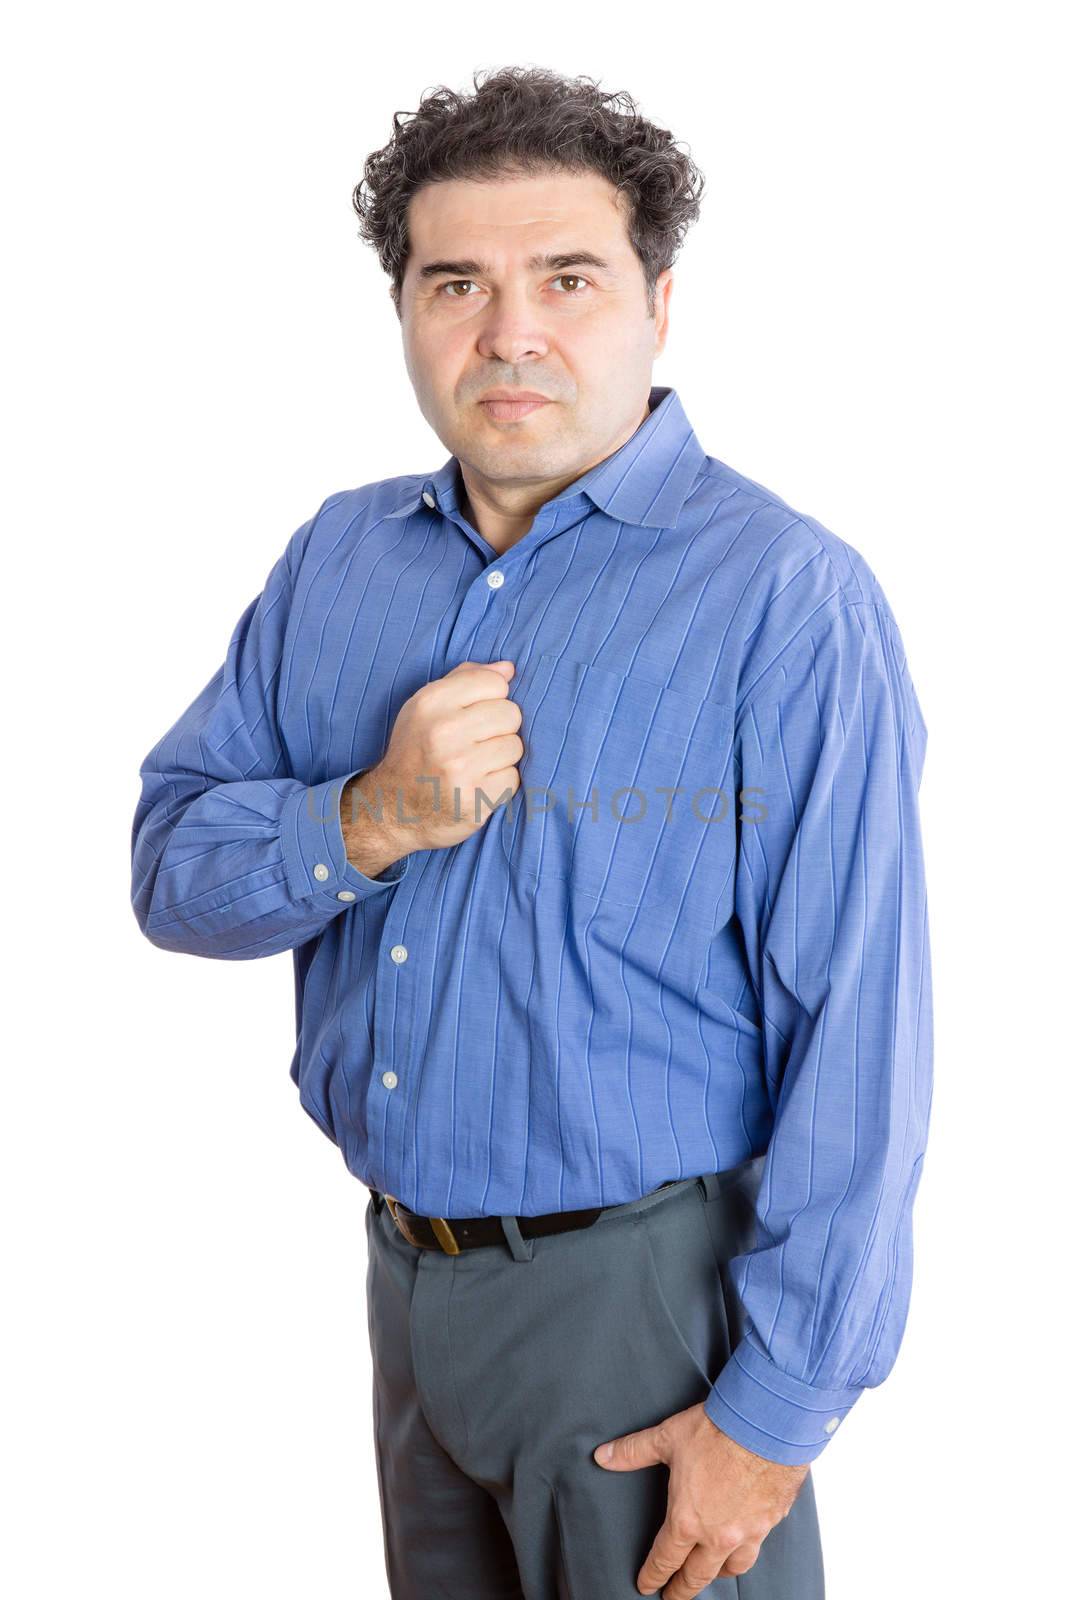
(512, 410)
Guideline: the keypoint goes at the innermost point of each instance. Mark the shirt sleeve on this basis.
(233, 856)
(831, 902)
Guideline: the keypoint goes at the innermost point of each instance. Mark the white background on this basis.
(198, 350)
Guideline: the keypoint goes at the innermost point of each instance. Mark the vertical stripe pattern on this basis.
(698, 932)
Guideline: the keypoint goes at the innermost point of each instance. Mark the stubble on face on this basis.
(517, 329)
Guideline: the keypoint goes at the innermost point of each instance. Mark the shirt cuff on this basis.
(313, 849)
(772, 1414)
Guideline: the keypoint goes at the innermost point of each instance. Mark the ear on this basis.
(664, 285)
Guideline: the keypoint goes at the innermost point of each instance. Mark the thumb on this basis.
(505, 667)
(629, 1451)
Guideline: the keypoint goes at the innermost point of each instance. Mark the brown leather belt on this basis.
(453, 1234)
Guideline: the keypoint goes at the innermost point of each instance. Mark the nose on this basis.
(512, 329)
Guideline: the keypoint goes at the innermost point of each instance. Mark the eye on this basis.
(467, 284)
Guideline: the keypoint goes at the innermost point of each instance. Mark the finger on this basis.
(669, 1551)
(641, 1449)
(700, 1567)
(743, 1559)
(472, 681)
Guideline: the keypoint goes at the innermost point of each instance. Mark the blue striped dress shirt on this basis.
(698, 932)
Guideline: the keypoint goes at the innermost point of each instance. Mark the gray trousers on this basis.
(498, 1371)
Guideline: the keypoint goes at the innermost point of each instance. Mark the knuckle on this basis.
(448, 755)
(699, 1580)
(685, 1528)
(451, 771)
(436, 739)
(661, 1437)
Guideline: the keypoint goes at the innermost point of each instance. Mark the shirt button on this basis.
(345, 894)
(429, 500)
(495, 579)
(322, 871)
(399, 953)
(390, 1080)
(832, 1424)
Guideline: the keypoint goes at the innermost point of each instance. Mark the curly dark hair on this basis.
(524, 120)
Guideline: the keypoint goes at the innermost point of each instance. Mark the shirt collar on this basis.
(645, 481)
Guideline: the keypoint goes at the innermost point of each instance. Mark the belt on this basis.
(453, 1234)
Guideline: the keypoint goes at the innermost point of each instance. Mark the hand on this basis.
(461, 730)
(722, 1501)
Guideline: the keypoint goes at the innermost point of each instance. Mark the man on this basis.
(624, 1020)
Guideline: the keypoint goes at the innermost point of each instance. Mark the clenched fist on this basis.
(454, 736)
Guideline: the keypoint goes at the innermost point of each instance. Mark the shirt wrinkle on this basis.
(544, 1016)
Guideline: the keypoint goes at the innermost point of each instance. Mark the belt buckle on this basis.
(442, 1232)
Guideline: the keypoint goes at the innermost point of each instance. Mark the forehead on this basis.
(501, 216)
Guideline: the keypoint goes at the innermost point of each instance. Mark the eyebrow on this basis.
(469, 268)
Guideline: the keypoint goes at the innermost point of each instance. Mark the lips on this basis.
(512, 410)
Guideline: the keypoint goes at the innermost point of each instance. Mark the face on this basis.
(532, 284)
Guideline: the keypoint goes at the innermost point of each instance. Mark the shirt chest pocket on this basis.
(624, 784)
